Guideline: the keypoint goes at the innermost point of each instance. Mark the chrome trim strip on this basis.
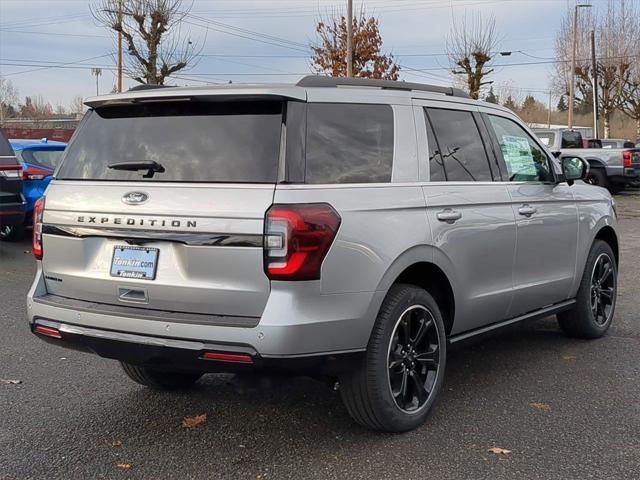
(543, 312)
(139, 236)
(142, 313)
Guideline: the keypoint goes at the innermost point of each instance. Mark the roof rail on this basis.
(323, 81)
(146, 86)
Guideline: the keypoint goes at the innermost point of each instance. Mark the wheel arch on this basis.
(419, 266)
(608, 235)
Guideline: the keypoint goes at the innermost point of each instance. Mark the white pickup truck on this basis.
(612, 168)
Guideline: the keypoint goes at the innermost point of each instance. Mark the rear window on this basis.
(571, 140)
(349, 143)
(194, 141)
(45, 158)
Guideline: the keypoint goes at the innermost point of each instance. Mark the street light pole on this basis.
(573, 60)
(119, 81)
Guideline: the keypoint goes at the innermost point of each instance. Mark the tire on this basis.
(582, 321)
(598, 177)
(12, 233)
(159, 379)
(368, 391)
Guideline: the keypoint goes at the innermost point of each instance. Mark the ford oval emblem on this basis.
(135, 198)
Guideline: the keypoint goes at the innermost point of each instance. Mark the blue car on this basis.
(39, 159)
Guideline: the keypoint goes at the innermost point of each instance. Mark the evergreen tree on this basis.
(529, 103)
(562, 105)
(510, 104)
(491, 97)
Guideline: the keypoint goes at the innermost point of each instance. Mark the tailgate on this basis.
(208, 241)
(160, 205)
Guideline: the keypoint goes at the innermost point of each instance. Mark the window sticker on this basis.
(517, 155)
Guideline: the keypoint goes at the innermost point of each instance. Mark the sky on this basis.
(38, 35)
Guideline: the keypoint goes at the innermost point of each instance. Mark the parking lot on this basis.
(565, 409)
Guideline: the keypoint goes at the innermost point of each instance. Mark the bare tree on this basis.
(151, 32)
(77, 106)
(617, 37)
(471, 46)
(368, 60)
(8, 98)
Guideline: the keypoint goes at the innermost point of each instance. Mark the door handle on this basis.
(449, 216)
(527, 210)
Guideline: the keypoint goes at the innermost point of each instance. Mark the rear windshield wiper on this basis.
(150, 166)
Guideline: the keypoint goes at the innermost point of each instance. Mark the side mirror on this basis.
(574, 168)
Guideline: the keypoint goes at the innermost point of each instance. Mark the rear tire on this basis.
(12, 233)
(597, 177)
(398, 382)
(595, 305)
(160, 379)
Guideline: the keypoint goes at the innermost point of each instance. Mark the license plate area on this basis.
(134, 262)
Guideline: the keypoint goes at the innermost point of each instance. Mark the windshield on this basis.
(193, 141)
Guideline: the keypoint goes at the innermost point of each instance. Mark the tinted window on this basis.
(571, 139)
(461, 147)
(525, 160)
(5, 148)
(436, 166)
(349, 143)
(193, 141)
(46, 158)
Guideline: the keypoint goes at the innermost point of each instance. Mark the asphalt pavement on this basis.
(565, 409)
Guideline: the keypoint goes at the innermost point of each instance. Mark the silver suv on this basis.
(338, 227)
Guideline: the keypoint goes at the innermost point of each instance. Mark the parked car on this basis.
(38, 159)
(617, 143)
(12, 202)
(591, 143)
(386, 221)
(611, 168)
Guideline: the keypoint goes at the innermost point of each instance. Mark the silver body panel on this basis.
(501, 265)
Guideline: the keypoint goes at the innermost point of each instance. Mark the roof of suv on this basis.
(296, 91)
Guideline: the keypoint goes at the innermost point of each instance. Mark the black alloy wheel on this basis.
(603, 289)
(413, 359)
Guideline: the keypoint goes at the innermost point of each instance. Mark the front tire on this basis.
(398, 382)
(160, 379)
(595, 305)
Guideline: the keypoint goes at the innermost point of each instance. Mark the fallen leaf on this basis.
(569, 358)
(498, 450)
(190, 422)
(541, 406)
(124, 466)
(10, 381)
(116, 443)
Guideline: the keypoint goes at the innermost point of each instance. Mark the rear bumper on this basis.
(297, 322)
(623, 174)
(186, 355)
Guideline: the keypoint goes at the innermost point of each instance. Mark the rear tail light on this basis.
(37, 228)
(297, 238)
(627, 158)
(12, 171)
(33, 173)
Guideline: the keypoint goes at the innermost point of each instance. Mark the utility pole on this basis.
(573, 60)
(349, 38)
(594, 67)
(119, 81)
(549, 111)
(97, 72)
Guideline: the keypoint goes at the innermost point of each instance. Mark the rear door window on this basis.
(349, 143)
(194, 141)
(461, 146)
(436, 165)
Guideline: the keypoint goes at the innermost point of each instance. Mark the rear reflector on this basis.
(228, 357)
(47, 331)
